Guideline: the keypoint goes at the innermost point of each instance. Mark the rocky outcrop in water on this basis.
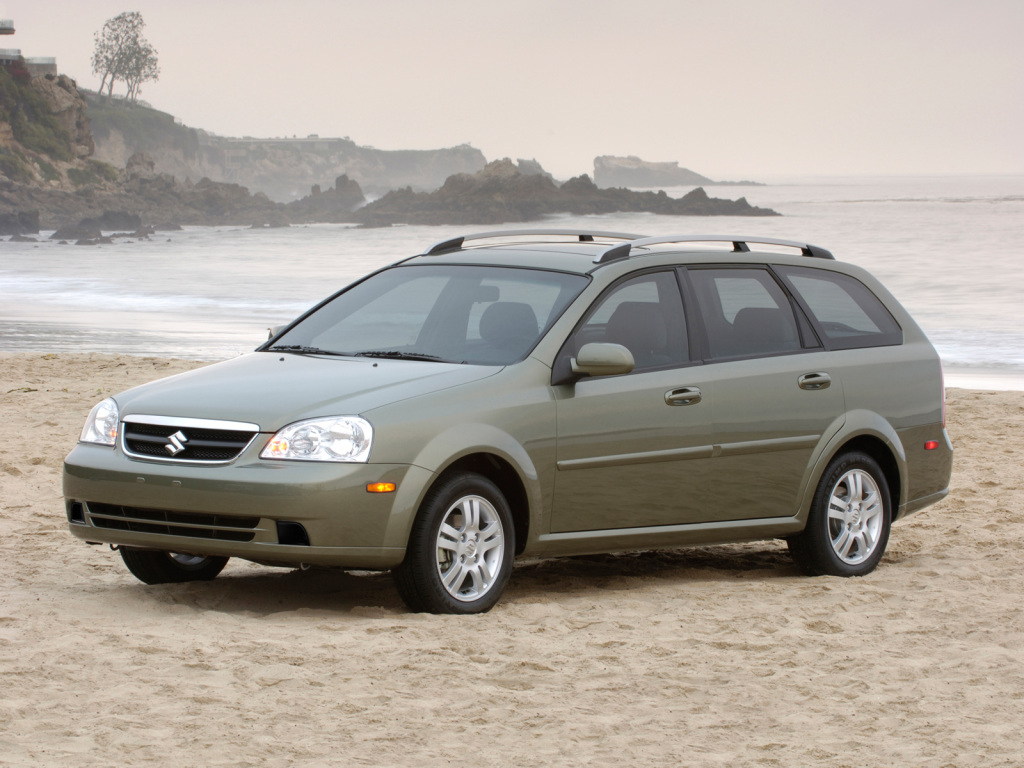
(610, 171)
(333, 206)
(501, 193)
(20, 223)
(634, 173)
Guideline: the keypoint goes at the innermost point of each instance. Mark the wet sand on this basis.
(720, 656)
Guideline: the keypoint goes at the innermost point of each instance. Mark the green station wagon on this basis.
(534, 393)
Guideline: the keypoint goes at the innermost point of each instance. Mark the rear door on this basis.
(776, 392)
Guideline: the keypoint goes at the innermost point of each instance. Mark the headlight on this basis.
(334, 438)
(101, 426)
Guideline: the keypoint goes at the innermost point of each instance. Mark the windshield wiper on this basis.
(298, 349)
(394, 354)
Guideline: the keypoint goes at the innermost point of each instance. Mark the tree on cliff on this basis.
(122, 53)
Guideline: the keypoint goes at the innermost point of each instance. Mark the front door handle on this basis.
(683, 396)
(814, 381)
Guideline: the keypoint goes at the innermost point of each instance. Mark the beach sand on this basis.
(720, 656)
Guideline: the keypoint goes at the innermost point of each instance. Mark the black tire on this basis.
(848, 525)
(155, 567)
(455, 563)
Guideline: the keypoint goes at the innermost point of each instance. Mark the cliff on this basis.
(45, 146)
(284, 169)
(49, 178)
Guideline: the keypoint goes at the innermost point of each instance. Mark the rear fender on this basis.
(860, 423)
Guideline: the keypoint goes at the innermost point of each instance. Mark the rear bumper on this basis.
(929, 469)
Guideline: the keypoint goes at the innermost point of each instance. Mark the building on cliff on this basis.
(36, 65)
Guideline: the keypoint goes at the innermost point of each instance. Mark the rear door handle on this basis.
(683, 396)
(815, 381)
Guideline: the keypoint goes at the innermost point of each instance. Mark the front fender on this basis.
(466, 440)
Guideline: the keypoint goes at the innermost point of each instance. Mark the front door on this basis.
(633, 450)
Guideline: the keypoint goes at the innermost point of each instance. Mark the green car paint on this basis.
(693, 449)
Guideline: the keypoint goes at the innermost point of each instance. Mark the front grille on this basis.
(170, 523)
(194, 441)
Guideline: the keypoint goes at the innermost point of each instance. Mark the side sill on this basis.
(662, 536)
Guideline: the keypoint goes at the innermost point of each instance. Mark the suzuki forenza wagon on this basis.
(534, 393)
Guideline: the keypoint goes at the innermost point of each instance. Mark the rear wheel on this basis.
(154, 567)
(460, 551)
(848, 527)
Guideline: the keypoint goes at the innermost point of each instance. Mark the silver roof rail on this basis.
(584, 236)
(739, 245)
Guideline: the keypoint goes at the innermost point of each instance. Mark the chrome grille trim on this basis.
(177, 421)
(214, 442)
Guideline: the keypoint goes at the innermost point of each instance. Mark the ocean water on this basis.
(950, 248)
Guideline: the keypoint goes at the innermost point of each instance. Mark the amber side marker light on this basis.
(931, 445)
(380, 488)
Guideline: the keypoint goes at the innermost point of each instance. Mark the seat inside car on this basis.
(639, 326)
(509, 325)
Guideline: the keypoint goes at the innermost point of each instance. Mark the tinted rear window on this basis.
(745, 313)
(848, 314)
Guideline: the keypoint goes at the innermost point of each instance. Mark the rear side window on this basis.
(847, 313)
(745, 312)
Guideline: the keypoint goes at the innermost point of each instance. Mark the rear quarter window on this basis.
(846, 312)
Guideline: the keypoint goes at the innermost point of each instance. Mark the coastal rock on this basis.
(69, 109)
(632, 172)
(79, 232)
(333, 206)
(140, 165)
(116, 220)
(532, 168)
(19, 223)
(500, 193)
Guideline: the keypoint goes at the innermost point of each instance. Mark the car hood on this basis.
(273, 389)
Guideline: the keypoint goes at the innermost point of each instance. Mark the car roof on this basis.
(584, 252)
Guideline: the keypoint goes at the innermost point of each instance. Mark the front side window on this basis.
(745, 312)
(645, 315)
(450, 313)
(848, 314)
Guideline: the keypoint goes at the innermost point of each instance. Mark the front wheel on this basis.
(460, 551)
(848, 526)
(155, 567)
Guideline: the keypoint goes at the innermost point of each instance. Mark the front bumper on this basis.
(208, 510)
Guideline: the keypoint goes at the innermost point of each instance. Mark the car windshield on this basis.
(448, 313)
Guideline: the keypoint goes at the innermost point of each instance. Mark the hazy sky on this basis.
(729, 88)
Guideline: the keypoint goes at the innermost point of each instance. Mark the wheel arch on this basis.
(500, 472)
(877, 449)
(868, 433)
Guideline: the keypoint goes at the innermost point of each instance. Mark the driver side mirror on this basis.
(602, 359)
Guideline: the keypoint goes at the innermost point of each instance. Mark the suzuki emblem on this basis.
(176, 443)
